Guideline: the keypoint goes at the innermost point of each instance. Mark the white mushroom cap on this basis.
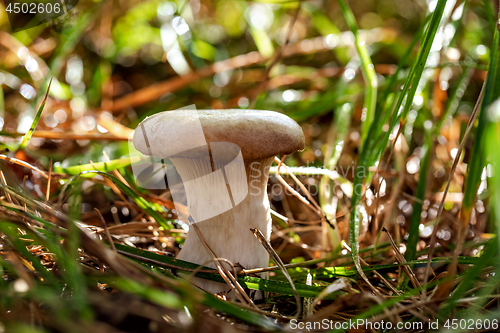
(259, 134)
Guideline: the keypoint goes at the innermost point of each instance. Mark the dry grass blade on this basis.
(401, 259)
(276, 258)
(24, 164)
(470, 125)
(363, 275)
(335, 286)
(225, 274)
(383, 279)
(105, 226)
(311, 203)
(20, 267)
(115, 128)
(49, 178)
(4, 181)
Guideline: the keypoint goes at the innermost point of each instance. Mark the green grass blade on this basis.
(173, 301)
(69, 257)
(246, 281)
(456, 95)
(381, 115)
(9, 229)
(488, 256)
(160, 297)
(28, 135)
(238, 312)
(350, 271)
(367, 69)
(2, 102)
(422, 183)
(339, 130)
(378, 308)
(373, 149)
(394, 77)
(71, 37)
(413, 233)
(99, 166)
(477, 161)
(492, 146)
(411, 85)
(416, 217)
(489, 13)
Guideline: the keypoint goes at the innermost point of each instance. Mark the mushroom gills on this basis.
(228, 234)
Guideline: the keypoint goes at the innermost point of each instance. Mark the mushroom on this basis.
(235, 147)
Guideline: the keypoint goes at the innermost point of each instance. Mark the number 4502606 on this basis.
(33, 8)
(472, 324)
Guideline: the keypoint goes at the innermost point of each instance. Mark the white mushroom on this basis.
(204, 160)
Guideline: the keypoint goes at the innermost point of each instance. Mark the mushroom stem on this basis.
(228, 234)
